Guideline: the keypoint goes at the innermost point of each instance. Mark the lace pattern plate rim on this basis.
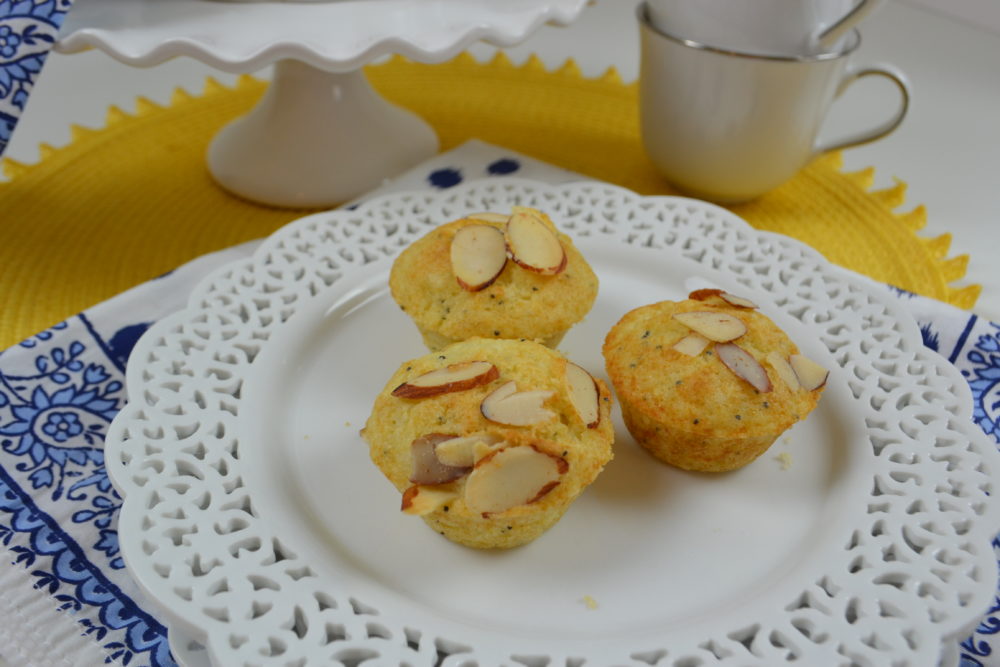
(918, 569)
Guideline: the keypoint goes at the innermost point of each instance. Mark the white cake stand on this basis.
(320, 135)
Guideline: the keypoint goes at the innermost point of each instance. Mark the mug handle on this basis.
(894, 75)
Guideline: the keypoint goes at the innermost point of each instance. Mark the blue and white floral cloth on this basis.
(28, 30)
(66, 597)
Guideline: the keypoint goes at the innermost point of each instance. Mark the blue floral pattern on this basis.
(984, 380)
(59, 392)
(57, 560)
(978, 358)
(28, 29)
(8, 42)
(58, 431)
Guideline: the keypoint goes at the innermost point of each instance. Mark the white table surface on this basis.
(946, 149)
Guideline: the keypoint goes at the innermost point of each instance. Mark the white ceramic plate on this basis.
(254, 517)
(333, 36)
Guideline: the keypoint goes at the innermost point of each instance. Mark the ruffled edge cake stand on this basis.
(320, 135)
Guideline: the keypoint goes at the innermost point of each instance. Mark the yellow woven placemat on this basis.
(130, 201)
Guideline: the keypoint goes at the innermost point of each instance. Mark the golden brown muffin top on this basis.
(701, 394)
(519, 303)
(396, 422)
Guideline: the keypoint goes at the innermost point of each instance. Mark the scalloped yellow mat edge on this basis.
(123, 203)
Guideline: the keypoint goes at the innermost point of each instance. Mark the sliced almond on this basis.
(705, 293)
(427, 467)
(737, 301)
(421, 500)
(510, 477)
(731, 299)
(455, 377)
(743, 364)
(481, 449)
(692, 345)
(498, 218)
(810, 374)
(532, 245)
(464, 451)
(478, 255)
(784, 371)
(507, 405)
(584, 394)
(713, 325)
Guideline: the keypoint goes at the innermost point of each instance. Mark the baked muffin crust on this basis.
(518, 303)
(695, 412)
(577, 449)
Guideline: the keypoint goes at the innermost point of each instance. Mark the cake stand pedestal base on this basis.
(317, 139)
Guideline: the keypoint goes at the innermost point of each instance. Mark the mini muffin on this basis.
(494, 276)
(489, 441)
(708, 383)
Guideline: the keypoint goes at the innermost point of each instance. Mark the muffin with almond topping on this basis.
(489, 441)
(708, 383)
(494, 276)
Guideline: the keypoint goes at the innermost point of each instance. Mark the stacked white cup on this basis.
(764, 27)
(733, 93)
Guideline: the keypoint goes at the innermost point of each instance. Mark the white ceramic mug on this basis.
(769, 27)
(730, 126)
